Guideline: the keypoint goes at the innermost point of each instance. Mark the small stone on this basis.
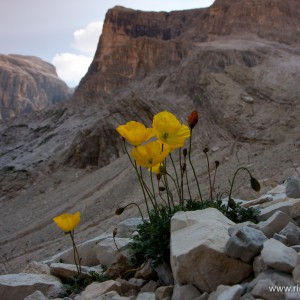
(262, 290)
(226, 292)
(163, 292)
(35, 267)
(274, 224)
(280, 238)
(138, 282)
(245, 243)
(259, 265)
(149, 287)
(290, 207)
(293, 187)
(146, 272)
(146, 296)
(119, 265)
(292, 233)
(186, 292)
(279, 256)
(164, 274)
(97, 289)
(37, 295)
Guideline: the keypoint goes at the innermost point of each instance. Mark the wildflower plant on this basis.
(169, 188)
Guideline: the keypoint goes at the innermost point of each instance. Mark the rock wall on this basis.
(134, 44)
(27, 83)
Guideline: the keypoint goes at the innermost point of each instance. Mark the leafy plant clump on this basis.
(153, 238)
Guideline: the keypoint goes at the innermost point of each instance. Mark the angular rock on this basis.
(280, 238)
(35, 267)
(127, 288)
(259, 265)
(187, 292)
(198, 240)
(87, 252)
(145, 296)
(19, 286)
(227, 292)
(64, 271)
(245, 244)
(127, 227)
(262, 290)
(296, 271)
(119, 265)
(293, 187)
(204, 296)
(146, 272)
(138, 282)
(277, 277)
(275, 223)
(290, 207)
(164, 274)
(278, 256)
(106, 250)
(37, 295)
(296, 248)
(163, 292)
(292, 234)
(97, 289)
(150, 287)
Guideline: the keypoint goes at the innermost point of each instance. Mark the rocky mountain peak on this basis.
(133, 43)
(28, 83)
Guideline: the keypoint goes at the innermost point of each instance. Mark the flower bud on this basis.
(255, 184)
(205, 150)
(158, 176)
(115, 231)
(161, 188)
(119, 211)
(184, 152)
(217, 163)
(193, 119)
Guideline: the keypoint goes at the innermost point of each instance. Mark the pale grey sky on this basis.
(66, 32)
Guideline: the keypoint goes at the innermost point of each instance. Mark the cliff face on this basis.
(27, 84)
(133, 44)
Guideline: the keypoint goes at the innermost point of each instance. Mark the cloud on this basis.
(86, 40)
(71, 67)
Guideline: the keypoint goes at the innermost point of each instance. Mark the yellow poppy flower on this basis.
(67, 222)
(135, 132)
(150, 154)
(169, 130)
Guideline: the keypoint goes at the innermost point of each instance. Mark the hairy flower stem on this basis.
(133, 203)
(77, 258)
(188, 185)
(138, 175)
(190, 150)
(177, 182)
(214, 180)
(233, 179)
(209, 177)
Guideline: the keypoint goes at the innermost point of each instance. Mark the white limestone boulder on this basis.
(278, 256)
(290, 206)
(19, 286)
(198, 254)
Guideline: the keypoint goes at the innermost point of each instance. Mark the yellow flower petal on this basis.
(67, 222)
(135, 132)
(169, 130)
(150, 154)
